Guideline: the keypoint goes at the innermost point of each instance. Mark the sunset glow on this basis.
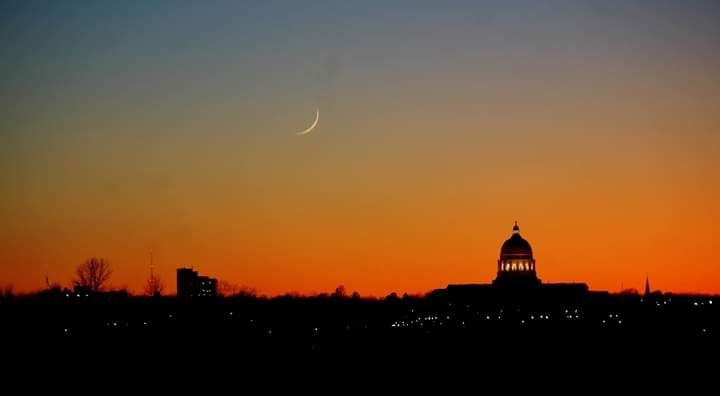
(171, 128)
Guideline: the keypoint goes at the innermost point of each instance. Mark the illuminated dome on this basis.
(516, 247)
(516, 264)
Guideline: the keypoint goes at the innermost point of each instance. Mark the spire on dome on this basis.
(516, 229)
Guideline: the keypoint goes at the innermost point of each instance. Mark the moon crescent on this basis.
(314, 124)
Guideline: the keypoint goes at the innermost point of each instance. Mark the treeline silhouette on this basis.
(350, 324)
(92, 320)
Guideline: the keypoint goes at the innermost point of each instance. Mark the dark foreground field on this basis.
(353, 327)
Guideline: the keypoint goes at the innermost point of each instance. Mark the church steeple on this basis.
(647, 286)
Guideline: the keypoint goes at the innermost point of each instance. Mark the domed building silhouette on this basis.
(516, 265)
(516, 278)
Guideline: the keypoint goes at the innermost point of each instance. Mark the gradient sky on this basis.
(169, 126)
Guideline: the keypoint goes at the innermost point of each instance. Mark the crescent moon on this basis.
(314, 124)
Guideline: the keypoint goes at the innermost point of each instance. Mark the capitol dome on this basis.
(516, 247)
(516, 264)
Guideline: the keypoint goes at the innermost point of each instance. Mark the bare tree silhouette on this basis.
(340, 292)
(7, 291)
(228, 289)
(93, 274)
(154, 286)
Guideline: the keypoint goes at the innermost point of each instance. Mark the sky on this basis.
(170, 127)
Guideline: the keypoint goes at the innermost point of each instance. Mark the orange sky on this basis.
(598, 130)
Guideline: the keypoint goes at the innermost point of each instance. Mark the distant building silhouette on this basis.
(190, 284)
(516, 277)
(649, 295)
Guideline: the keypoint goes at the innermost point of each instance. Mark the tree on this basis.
(246, 291)
(392, 297)
(340, 292)
(228, 289)
(7, 291)
(631, 291)
(93, 274)
(154, 286)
